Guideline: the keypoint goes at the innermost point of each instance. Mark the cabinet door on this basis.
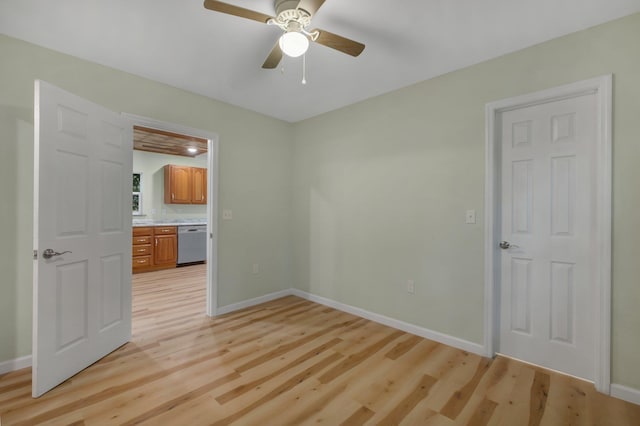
(166, 249)
(177, 184)
(199, 180)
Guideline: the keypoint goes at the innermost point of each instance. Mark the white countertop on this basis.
(168, 222)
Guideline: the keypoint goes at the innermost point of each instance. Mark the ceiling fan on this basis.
(293, 17)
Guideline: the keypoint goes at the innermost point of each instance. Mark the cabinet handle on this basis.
(156, 242)
(173, 196)
(202, 199)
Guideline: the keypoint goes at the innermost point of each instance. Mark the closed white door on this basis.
(548, 216)
(82, 235)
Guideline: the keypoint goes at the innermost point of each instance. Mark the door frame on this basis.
(601, 87)
(212, 196)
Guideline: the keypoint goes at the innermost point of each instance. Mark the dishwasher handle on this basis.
(186, 230)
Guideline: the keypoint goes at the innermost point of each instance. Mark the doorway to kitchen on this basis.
(174, 207)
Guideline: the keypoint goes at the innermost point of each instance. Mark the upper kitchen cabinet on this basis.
(199, 185)
(177, 184)
(185, 185)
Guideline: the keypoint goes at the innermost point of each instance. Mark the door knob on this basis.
(49, 253)
(504, 245)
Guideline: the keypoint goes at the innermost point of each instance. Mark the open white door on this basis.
(82, 235)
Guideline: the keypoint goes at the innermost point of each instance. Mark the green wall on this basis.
(381, 189)
(151, 165)
(351, 204)
(255, 170)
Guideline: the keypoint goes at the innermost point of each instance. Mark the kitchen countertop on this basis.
(168, 222)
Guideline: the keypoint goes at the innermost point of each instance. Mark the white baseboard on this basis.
(252, 302)
(462, 344)
(626, 393)
(15, 364)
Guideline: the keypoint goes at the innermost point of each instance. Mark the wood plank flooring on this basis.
(294, 362)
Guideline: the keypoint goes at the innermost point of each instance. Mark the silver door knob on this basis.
(504, 245)
(49, 253)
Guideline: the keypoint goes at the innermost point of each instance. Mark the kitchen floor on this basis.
(152, 297)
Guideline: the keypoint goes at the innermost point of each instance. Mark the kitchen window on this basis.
(137, 194)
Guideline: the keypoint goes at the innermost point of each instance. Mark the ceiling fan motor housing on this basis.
(284, 5)
(289, 18)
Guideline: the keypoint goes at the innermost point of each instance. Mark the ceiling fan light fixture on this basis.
(294, 43)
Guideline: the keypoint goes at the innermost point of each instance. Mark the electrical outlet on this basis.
(227, 215)
(256, 268)
(411, 287)
(471, 216)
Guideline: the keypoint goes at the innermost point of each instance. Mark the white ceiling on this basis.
(180, 43)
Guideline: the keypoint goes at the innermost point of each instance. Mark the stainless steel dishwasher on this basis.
(192, 244)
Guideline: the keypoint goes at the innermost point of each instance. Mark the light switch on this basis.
(227, 215)
(471, 216)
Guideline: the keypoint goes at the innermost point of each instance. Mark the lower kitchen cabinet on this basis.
(165, 251)
(141, 249)
(153, 248)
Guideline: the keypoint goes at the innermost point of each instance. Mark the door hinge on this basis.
(35, 255)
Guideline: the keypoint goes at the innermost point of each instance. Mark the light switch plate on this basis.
(411, 287)
(471, 216)
(227, 215)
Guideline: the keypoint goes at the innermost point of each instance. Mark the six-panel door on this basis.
(547, 216)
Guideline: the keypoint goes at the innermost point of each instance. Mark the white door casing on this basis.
(82, 205)
(212, 196)
(548, 191)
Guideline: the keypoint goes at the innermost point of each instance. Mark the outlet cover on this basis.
(227, 215)
(471, 216)
(411, 287)
(256, 268)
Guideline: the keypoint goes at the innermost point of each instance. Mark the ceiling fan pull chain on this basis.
(304, 69)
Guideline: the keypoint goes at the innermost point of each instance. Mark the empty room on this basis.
(291, 212)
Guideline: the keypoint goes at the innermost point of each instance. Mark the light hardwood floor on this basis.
(290, 362)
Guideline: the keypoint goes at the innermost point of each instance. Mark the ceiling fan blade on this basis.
(274, 57)
(230, 9)
(340, 43)
(310, 6)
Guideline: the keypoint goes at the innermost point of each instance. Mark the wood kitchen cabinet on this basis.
(198, 185)
(142, 249)
(185, 185)
(153, 248)
(177, 184)
(165, 250)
